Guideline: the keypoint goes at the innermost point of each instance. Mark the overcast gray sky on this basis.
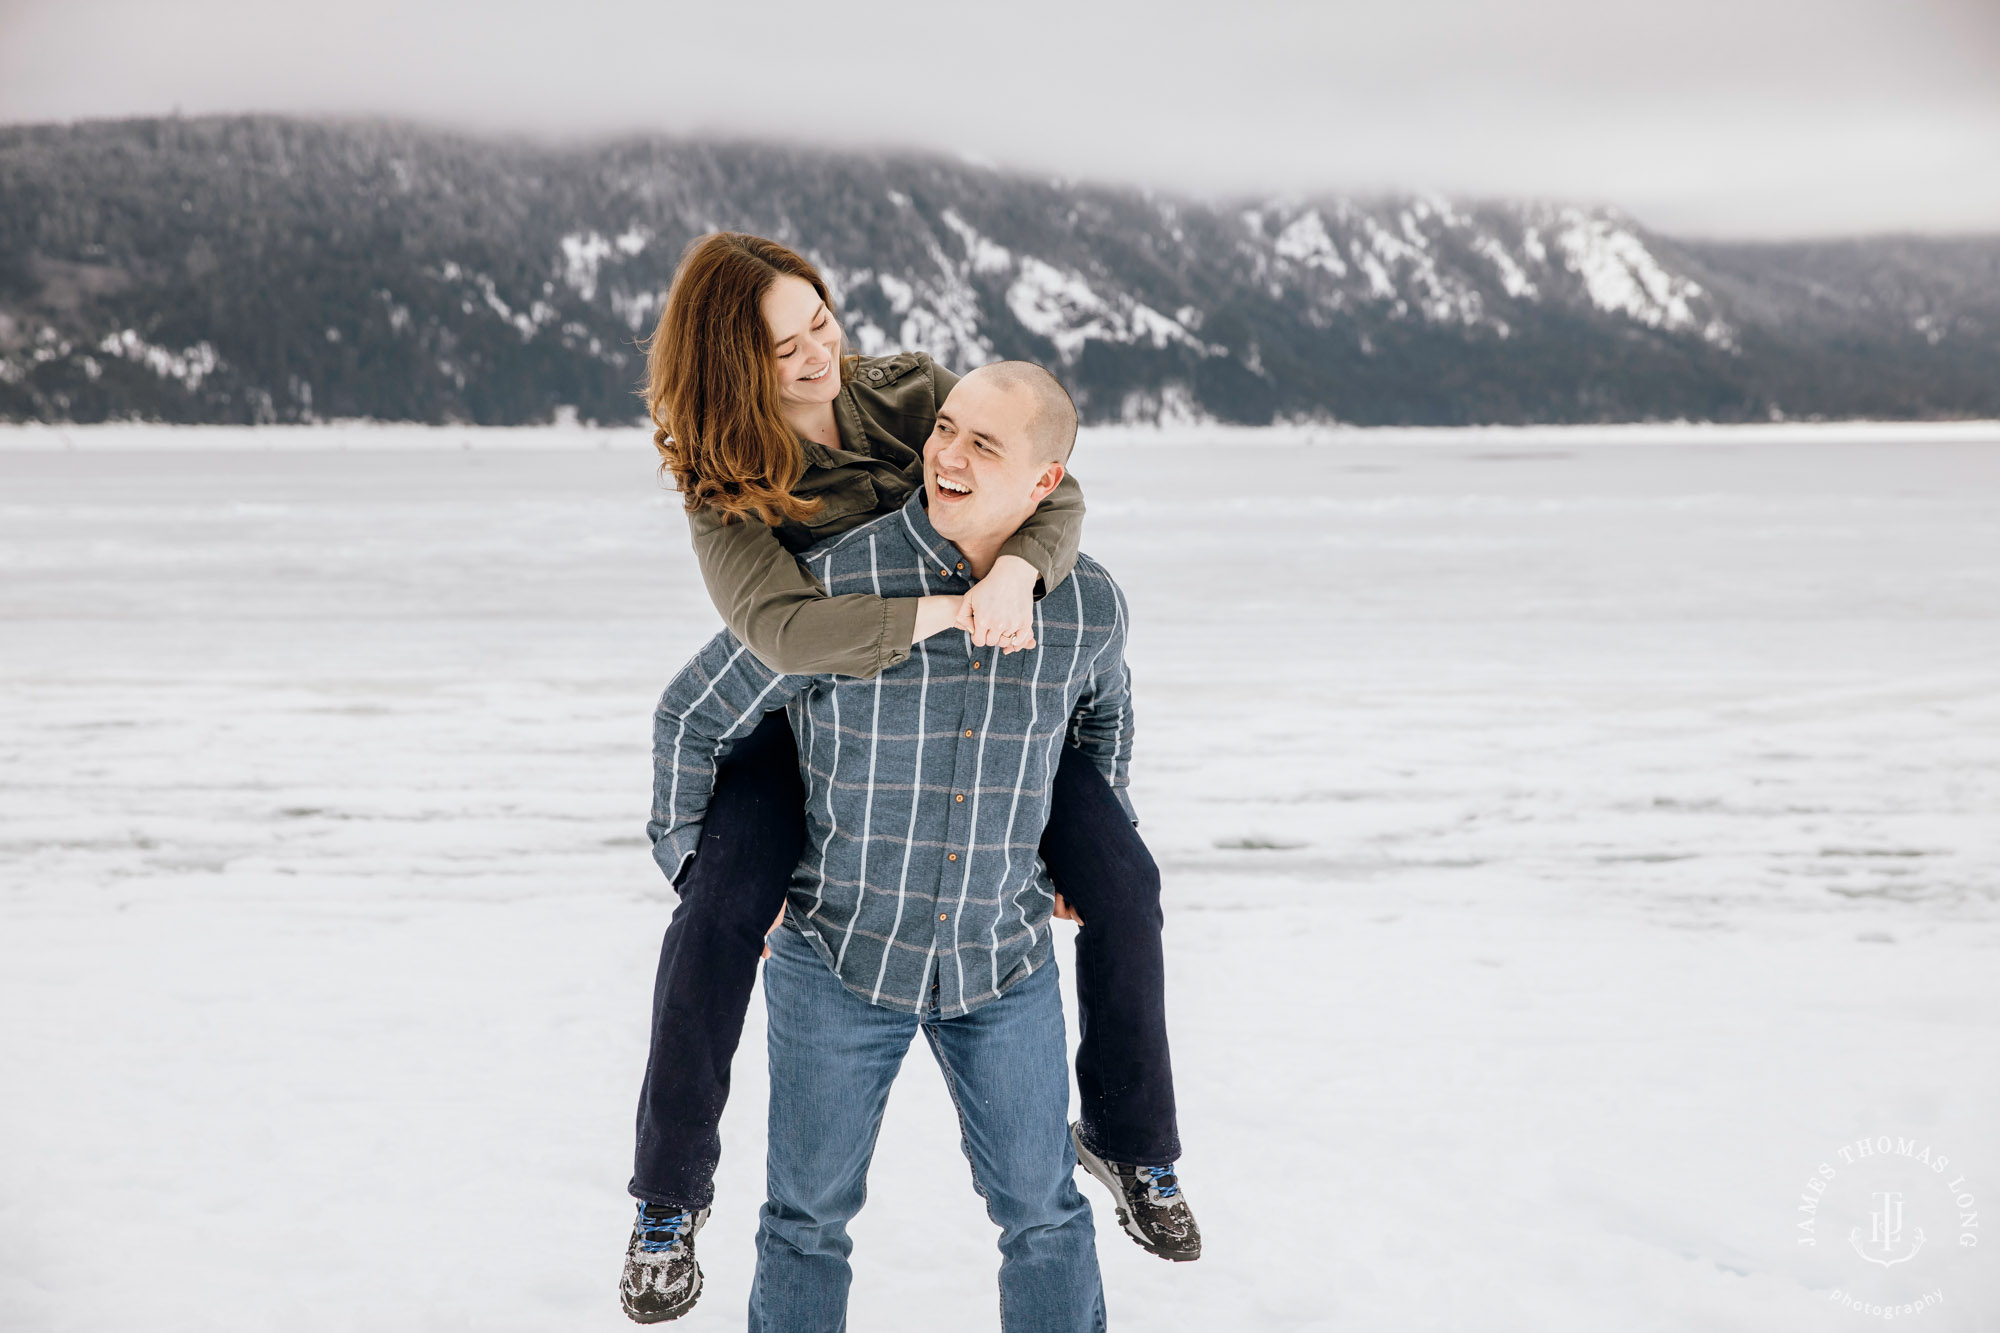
(1713, 117)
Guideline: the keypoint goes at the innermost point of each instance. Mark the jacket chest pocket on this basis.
(842, 502)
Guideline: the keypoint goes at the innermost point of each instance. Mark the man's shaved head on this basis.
(1052, 424)
(995, 452)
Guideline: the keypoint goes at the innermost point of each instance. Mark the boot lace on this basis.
(662, 1233)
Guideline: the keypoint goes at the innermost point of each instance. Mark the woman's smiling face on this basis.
(805, 342)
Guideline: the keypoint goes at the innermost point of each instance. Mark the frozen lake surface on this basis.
(1571, 842)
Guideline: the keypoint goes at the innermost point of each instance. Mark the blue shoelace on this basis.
(663, 1233)
(1163, 1182)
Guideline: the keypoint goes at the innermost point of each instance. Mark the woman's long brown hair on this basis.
(712, 381)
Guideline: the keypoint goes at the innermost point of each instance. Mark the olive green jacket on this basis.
(781, 613)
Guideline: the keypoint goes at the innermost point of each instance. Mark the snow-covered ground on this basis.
(1572, 840)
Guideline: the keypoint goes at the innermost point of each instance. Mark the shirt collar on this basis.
(916, 520)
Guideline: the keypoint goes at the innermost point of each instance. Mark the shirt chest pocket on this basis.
(1057, 628)
(1059, 646)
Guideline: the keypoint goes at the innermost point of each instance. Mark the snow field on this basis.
(1567, 848)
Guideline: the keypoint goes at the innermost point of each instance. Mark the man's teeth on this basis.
(954, 487)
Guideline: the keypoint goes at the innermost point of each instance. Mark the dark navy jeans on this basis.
(751, 842)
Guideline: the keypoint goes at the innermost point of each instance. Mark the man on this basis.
(921, 903)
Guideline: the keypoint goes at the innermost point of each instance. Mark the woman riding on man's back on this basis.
(778, 441)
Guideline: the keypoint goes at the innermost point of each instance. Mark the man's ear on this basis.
(1050, 479)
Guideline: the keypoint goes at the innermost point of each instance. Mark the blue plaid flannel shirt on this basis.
(927, 787)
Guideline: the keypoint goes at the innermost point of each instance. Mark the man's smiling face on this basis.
(984, 472)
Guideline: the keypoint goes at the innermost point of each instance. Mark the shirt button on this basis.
(951, 856)
(975, 666)
(961, 564)
(968, 733)
(944, 573)
(959, 799)
(943, 915)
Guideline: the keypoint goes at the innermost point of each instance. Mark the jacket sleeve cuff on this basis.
(899, 631)
(1035, 553)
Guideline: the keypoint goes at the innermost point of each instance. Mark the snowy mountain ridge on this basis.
(267, 269)
(1389, 255)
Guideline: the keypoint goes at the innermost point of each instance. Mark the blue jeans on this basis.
(833, 1057)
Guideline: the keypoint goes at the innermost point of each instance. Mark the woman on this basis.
(778, 442)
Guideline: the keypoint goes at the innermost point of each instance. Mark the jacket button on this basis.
(875, 373)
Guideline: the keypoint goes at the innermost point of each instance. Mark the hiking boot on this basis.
(1151, 1208)
(662, 1281)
